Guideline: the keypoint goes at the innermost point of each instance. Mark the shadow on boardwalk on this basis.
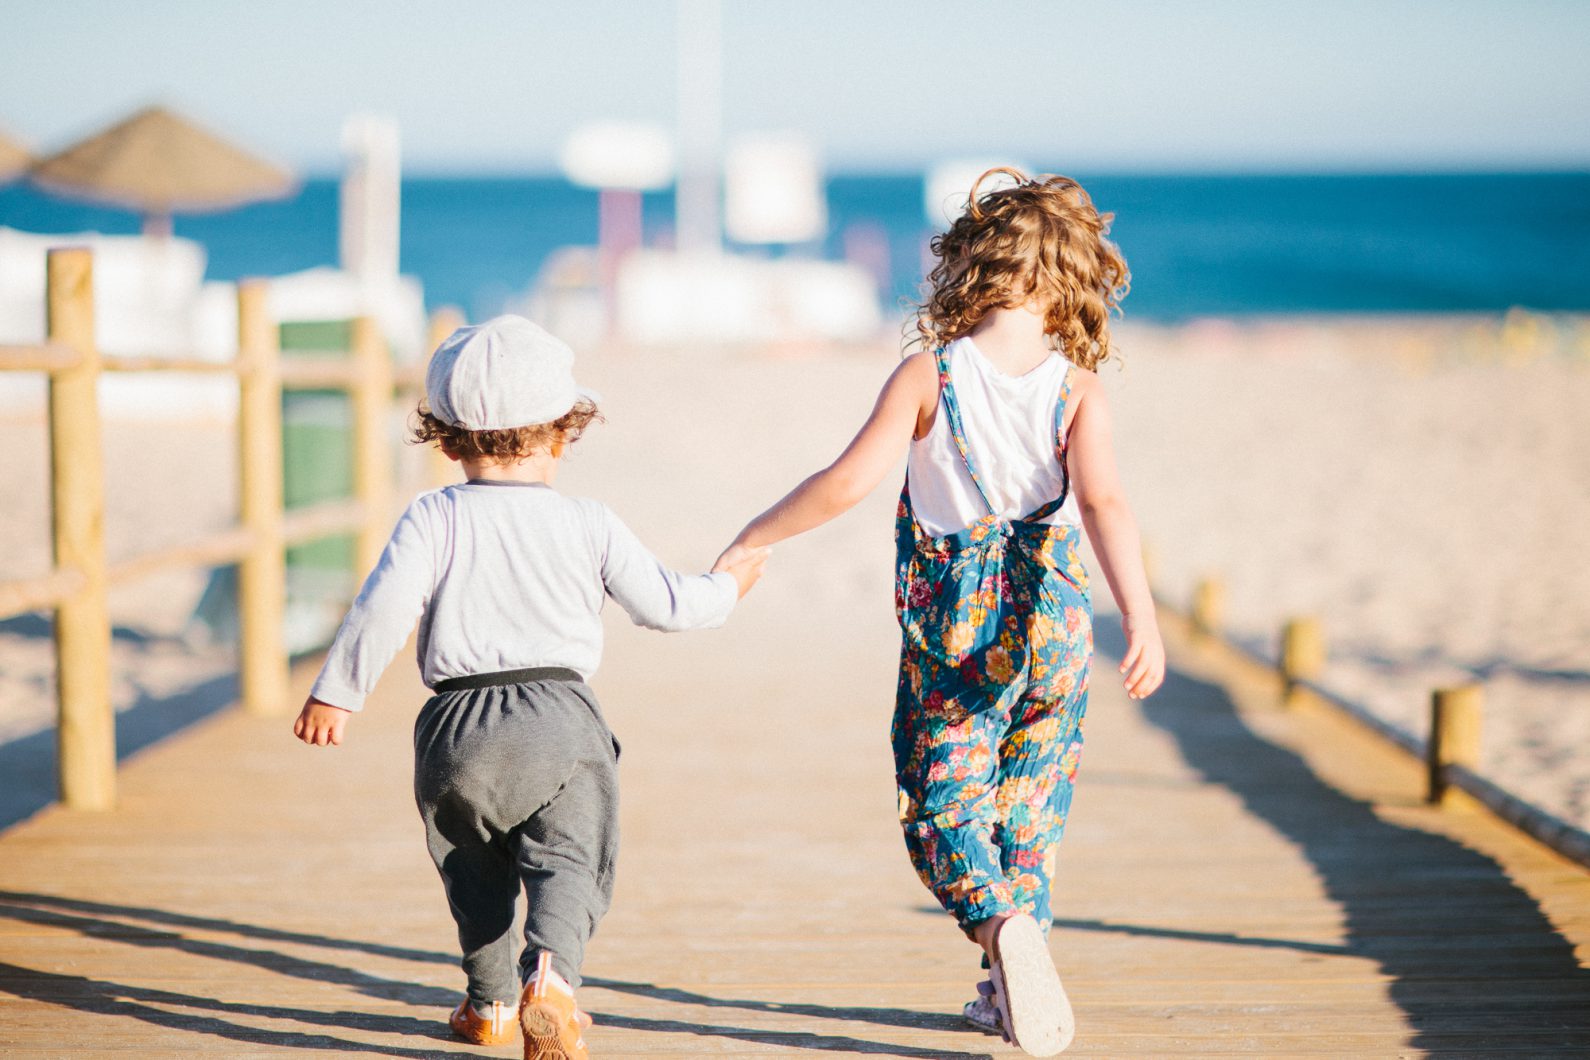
(29, 762)
(150, 928)
(1471, 959)
(160, 929)
(885, 1017)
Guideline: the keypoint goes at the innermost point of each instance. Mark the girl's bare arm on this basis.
(1112, 530)
(907, 400)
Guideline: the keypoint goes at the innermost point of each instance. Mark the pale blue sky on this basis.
(494, 86)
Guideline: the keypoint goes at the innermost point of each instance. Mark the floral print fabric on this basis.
(997, 635)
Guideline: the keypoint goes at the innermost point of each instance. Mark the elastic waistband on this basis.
(507, 677)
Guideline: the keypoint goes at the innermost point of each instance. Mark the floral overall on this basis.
(997, 634)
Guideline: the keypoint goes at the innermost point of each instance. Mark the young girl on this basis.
(1009, 459)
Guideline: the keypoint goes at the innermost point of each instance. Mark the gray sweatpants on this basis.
(518, 787)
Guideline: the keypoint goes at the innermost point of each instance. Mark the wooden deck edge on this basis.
(1546, 828)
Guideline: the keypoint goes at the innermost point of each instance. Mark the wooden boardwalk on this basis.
(1237, 880)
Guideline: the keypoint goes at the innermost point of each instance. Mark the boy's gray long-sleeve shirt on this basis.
(503, 576)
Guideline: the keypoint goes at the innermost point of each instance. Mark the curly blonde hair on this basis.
(1040, 241)
(506, 445)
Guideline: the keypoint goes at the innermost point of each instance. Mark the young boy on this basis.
(515, 770)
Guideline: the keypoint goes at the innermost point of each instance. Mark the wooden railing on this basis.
(76, 587)
(1450, 753)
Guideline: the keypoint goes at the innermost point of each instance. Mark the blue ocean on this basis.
(1197, 245)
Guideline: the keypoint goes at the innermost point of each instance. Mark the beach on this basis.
(1419, 484)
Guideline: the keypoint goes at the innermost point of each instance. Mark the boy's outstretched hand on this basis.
(1144, 662)
(744, 563)
(320, 723)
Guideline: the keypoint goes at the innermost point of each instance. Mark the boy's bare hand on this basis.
(744, 563)
(320, 724)
(1144, 664)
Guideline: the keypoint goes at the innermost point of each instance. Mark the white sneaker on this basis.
(982, 1013)
(1027, 992)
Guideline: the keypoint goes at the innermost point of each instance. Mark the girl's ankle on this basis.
(984, 932)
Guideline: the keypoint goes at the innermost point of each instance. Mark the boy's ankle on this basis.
(488, 1010)
(545, 970)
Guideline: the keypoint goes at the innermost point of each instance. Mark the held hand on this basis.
(1144, 664)
(744, 563)
(320, 724)
(735, 553)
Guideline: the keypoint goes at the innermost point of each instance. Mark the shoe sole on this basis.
(1034, 1002)
(977, 1024)
(545, 1034)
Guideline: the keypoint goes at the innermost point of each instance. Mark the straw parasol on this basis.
(14, 158)
(158, 163)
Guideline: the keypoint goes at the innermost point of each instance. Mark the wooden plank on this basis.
(303, 372)
(37, 594)
(1237, 879)
(216, 549)
(44, 357)
(321, 520)
(169, 363)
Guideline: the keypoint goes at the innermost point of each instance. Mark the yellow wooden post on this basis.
(444, 322)
(439, 469)
(87, 733)
(1209, 606)
(262, 575)
(1454, 735)
(1302, 655)
(371, 398)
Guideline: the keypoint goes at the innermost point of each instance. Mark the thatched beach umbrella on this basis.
(158, 163)
(14, 158)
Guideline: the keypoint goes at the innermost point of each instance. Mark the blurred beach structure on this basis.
(1358, 396)
(1378, 431)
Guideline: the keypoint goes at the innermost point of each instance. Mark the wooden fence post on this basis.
(371, 397)
(440, 471)
(1302, 655)
(444, 322)
(87, 729)
(262, 574)
(1454, 735)
(1209, 606)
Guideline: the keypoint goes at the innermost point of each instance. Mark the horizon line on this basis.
(552, 172)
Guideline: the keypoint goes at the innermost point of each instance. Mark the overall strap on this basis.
(1059, 450)
(952, 409)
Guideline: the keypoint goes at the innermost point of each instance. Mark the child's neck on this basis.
(1012, 338)
(540, 466)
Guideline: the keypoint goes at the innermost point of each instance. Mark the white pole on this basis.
(697, 216)
(369, 205)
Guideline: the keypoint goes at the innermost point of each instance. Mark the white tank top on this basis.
(1009, 426)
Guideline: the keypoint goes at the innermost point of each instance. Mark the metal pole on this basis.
(698, 219)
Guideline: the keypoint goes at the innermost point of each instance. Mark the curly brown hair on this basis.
(1041, 240)
(505, 445)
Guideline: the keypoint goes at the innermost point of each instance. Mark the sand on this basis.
(1420, 485)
